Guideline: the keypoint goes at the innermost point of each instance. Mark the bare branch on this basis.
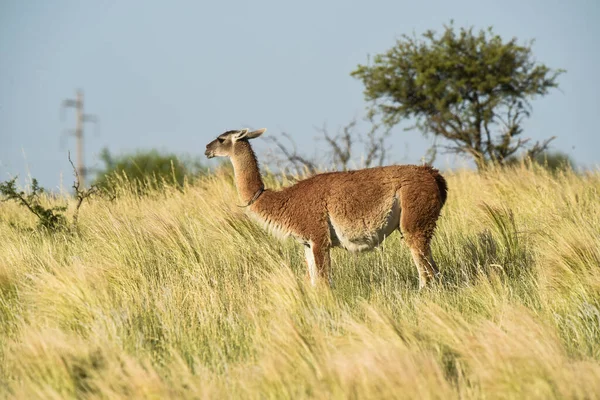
(539, 148)
(291, 154)
(340, 144)
(80, 194)
(340, 147)
(375, 145)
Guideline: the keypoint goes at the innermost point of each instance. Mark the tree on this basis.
(150, 168)
(473, 90)
(341, 148)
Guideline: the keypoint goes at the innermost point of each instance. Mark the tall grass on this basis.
(177, 294)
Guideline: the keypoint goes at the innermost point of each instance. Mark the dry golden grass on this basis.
(178, 295)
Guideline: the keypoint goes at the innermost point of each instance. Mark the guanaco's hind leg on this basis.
(318, 261)
(420, 211)
(421, 253)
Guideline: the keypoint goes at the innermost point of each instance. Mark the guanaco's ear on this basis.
(239, 135)
(256, 133)
(245, 134)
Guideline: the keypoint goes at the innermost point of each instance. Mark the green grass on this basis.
(177, 294)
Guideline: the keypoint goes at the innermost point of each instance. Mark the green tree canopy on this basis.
(473, 89)
(144, 168)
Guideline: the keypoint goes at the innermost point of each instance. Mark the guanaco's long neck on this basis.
(247, 173)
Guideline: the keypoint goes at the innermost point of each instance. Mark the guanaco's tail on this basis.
(441, 183)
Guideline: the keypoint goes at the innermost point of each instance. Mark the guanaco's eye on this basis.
(221, 140)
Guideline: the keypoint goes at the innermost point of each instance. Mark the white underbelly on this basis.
(355, 239)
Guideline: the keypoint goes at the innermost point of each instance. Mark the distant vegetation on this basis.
(49, 218)
(145, 169)
(552, 160)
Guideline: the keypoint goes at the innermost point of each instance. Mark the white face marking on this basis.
(312, 266)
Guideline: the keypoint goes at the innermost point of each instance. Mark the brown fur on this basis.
(353, 209)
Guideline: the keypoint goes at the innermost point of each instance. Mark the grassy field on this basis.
(178, 294)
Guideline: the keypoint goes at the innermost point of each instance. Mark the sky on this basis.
(173, 75)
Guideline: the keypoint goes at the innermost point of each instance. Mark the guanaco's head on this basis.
(224, 144)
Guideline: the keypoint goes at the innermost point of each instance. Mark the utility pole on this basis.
(77, 103)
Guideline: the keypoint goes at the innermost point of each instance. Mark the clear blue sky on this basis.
(173, 75)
